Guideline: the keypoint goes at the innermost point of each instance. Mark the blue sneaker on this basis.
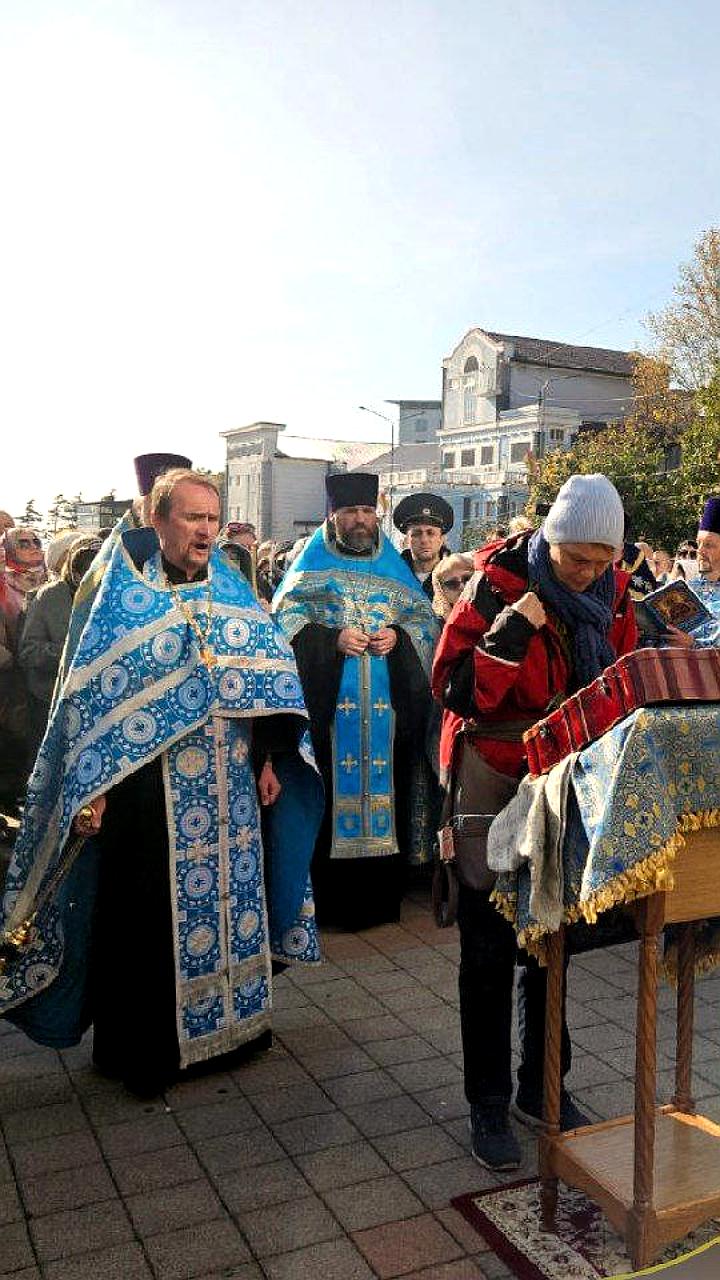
(494, 1144)
(529, 1111)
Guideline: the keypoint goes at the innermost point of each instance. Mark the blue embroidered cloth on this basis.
(629, 792)
(338, 590)
(137, 689)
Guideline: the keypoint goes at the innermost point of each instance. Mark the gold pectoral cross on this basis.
(208, 657)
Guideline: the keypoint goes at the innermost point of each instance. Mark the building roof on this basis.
(417, 404)
(351, 452)
(565, 355)
(406, 457)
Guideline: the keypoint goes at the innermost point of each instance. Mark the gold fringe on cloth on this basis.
(652, 875)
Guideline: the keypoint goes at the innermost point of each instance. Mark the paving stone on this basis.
(460, 1229)
(120, 1107)
(437, 1184)
(262, 1185)
(66, 1189)
(314, 1133)
(173, 1207)
(601, 1039)
(306, 1041)
(233, 1151)
(587, 1070)
(309, 975)
(367, 1204)
(246, 1271)
(78, 1231)
(49, 1155)
(427, 1073)
(418, 1147)
(333, 1260)
(120, 1262)
(302, 1222)
(417, 997)
(179, 1255)
(17, 1250)
(275, 1072)
(368, 1086)
(44, 1122)
(232, 1115)
(338, 990)
(30, 1066)
(201, 1090)
(382, 1027)
(324, 1065)
(391, 979)
(34, 1093)
(135, 1137)
(10, 1208)
(290, 998)
(342, 1166)
(463, 1269)
(446, 1103)
(291, 1019)
(292, 1103)
(401, 1049)
(152, 1169)
(387, 1116)
(399, 1247)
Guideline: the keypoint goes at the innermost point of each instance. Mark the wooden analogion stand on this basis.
(655, 1174)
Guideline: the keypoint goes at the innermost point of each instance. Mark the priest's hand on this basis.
(88, 819)
(677, 639)
(268, 786)
(382, 642)
(352, 641)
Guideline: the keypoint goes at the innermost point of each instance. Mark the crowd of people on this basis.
(213, 746)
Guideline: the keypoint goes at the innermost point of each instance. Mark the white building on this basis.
(280, 488)
(506, 396)
(418, 420)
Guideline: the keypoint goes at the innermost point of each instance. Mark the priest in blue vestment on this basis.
(363, 632)
(178, 749)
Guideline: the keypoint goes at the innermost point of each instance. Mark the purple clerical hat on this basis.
(710, 519)
(148, 466)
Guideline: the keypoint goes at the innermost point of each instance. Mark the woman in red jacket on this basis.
(544, 614)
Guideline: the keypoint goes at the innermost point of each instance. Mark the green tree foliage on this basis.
(663, 505)
(687, 331)
(31, 517)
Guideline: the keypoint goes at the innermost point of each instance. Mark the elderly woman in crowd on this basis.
(22, 570)
(45, 628)
(448, 579)
(545, 613)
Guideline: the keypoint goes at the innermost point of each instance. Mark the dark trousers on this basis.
(488, 955)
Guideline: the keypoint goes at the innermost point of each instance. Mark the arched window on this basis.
(471, 365)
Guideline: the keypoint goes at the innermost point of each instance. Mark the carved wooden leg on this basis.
(552, 1076)
(650, 920)
(683, 1098)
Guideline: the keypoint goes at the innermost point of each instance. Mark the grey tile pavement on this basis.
(335, 1154)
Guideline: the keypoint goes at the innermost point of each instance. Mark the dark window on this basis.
(449, 461)
(467, 458)
(518, 451)
(487, 454)
(471, 365)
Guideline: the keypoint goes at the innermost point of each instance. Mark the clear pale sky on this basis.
(217, 211)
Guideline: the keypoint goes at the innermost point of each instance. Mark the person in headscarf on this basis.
(24, 571)
(45, 629)
(57, 550)
(544, 614)
(448, 582)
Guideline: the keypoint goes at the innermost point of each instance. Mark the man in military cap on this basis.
(425, 518)
(363, 634)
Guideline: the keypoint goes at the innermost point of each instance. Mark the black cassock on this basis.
(356, 893)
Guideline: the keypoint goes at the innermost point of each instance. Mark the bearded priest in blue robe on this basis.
(178, 751)
(363, 632)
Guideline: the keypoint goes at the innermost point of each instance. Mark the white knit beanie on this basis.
(587, 509)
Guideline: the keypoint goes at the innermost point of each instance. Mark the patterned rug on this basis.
(585, 1247)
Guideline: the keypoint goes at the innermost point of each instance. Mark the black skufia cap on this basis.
(351, 489)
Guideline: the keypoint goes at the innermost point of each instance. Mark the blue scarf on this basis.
(587, 614)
